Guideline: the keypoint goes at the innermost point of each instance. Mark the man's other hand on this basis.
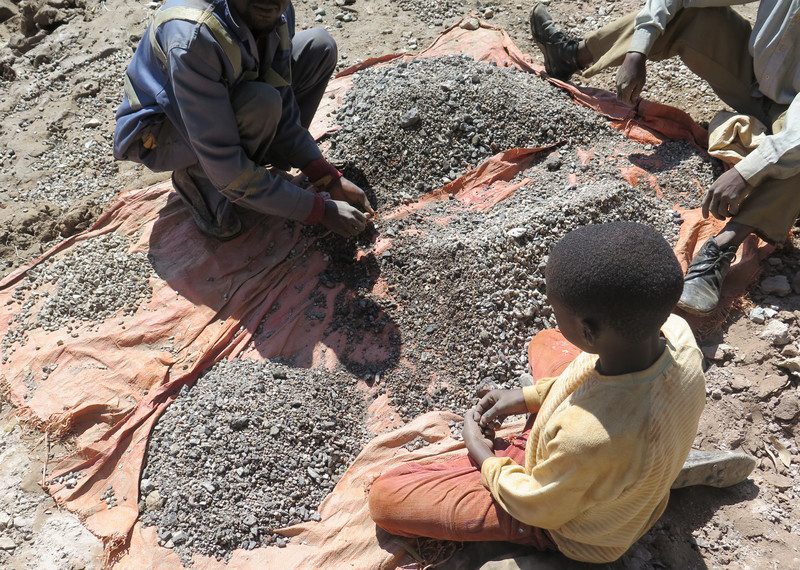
(343, 219)
(726, 195)
(343, 189)
(631, 77)
(497, 405)
(480, 443)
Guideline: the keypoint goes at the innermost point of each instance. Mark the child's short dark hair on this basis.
(624, 273)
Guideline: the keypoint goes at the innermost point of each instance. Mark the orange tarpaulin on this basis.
(209, 298)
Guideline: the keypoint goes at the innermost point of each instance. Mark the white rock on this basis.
(7, 543)
(761, 315)
(776, 285)
(776, 333)
(153, 501)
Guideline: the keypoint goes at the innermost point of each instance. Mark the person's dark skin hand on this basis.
(343, 219)
(497, 405)
(480, 443)
(631, 77)
(346, 191)
(726, 195)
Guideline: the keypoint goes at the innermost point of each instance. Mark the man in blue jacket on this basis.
(219, 89)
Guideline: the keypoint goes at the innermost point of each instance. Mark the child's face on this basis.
(573, 327)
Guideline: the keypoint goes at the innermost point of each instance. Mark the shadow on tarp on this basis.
(288, 307)
(127, 371)
(688, 510)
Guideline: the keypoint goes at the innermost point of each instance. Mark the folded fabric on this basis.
(732, 137)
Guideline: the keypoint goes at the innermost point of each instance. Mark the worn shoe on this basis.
(560, 50)
(703, 281)
(714, 469)
(222, 223)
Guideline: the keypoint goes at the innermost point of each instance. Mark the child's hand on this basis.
(495, 406)
(480, 444)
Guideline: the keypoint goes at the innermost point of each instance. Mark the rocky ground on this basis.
(61, 64)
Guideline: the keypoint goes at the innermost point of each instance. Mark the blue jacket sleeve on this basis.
(301, 148)
(204, 105)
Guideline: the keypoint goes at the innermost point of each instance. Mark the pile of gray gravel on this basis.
(472, 291)
(433, 13)
(408, 128)
(252, 447)
(99, 278)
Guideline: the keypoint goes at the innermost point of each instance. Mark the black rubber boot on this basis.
(703, 281)
(222, 223)
(714, 469)
(559, 49)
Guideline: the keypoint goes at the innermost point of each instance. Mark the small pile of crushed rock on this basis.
(409, 128)
(99, 278)
(251, 448)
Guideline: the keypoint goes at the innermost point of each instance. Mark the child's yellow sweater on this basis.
(604, 450)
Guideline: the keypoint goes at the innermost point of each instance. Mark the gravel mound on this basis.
(470, 320)
(252, 447)
(466, 288)
(407, 129)
(98, 279)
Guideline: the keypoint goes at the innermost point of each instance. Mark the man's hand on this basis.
(497, 405)
(631, 77)
(480, 443)
(726, 195)
(343, 219)
(343, 189)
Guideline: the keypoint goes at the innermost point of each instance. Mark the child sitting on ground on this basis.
(610, 430)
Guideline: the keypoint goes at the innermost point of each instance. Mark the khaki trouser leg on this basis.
(712, 42)
(774, 205)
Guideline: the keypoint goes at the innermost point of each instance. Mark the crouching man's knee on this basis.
(324, 49)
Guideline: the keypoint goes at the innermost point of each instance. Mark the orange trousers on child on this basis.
(446, 500)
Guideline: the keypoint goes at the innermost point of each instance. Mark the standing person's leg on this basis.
(314, 56)
(447, 500)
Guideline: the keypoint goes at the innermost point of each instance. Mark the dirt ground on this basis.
(57, 104)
